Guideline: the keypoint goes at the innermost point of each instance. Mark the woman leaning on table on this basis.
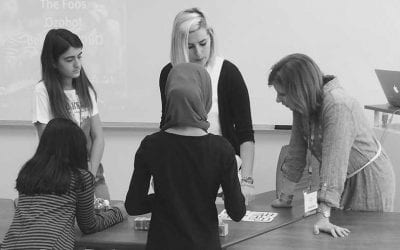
(355, 172)
(193, 40)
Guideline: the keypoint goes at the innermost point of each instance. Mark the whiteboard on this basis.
(126, 44)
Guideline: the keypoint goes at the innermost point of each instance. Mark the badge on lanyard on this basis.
(310, 202)
(310, 197)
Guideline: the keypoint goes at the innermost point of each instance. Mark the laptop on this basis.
(390, 82)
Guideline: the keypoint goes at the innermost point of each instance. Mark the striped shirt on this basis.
(48, 221)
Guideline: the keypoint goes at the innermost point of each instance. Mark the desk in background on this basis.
(123, 236)
(378, 109)
(369, 230)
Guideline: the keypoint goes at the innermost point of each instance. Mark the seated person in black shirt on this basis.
(188, 166)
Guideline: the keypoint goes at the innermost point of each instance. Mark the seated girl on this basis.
(55, 187)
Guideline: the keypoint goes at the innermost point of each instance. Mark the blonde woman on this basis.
(193, 40)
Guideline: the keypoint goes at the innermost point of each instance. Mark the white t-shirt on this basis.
(213, 115)
(42, 111)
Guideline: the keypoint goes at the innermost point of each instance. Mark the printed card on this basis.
(252, 216)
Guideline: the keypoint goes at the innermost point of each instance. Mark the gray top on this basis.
(341, 140)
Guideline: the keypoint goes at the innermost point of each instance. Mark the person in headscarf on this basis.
(188, 101)
(187, 165)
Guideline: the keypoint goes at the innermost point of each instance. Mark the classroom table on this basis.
(289, 230)
(123, 236)
(6, 216)
(369, 230)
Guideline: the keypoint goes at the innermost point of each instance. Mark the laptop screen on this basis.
(390, 82)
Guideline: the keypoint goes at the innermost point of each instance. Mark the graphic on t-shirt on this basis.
(80, 115)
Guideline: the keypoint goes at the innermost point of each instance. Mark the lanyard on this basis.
(310, 141)
(80, 115)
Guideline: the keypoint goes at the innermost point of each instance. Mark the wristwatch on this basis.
(248, 180)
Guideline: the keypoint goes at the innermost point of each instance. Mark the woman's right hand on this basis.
(324, 225)
(283, 201)
(285, 195)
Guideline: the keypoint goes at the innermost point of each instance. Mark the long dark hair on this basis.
(61, 153)
(57, 42)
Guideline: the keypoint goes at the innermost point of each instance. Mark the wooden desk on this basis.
(382, 108)
(241, 231)
(369, 230)
(288, 230)
(6, 216)
(123, 236)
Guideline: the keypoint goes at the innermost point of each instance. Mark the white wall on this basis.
(346, 38)
(18, 143)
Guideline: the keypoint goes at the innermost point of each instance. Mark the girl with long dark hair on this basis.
(65, 91)
(55, 187)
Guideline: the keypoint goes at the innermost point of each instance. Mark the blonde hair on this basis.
(183, 21)
(302, 80)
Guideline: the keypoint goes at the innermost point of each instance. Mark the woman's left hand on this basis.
(324, 225)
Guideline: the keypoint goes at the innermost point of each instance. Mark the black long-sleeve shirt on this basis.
(187, 172)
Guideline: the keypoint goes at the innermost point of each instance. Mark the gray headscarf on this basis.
(188, 96)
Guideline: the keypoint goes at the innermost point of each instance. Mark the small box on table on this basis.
(223, 228)
(142, 223)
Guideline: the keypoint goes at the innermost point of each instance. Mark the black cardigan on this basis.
(233, 104)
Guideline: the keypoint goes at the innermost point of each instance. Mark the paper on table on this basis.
(252, 216)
